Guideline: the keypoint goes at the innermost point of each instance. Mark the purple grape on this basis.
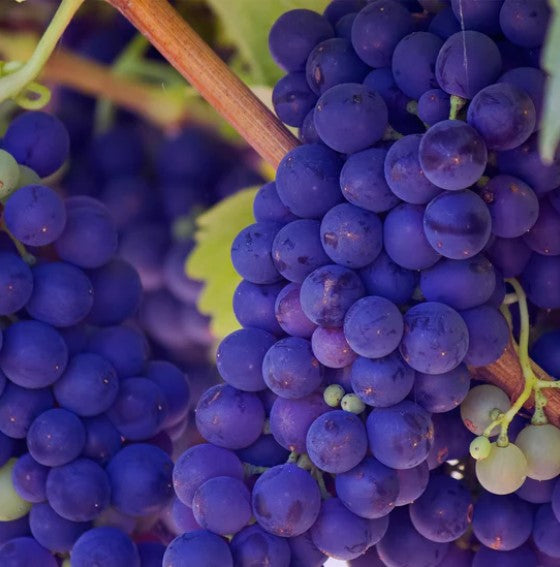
(524, 22)
(304, 552)
(479, 15)
(433, 106)
(545, 354)
(337, 9)
(267, 206)
(254, 546)
(520, 557)
(30, 479)
(331, 348)
(290, 315)
(536, 491)
(542, 236)
(531, 81)
(253, 305)
(26, 551)
(546, 531)
(444, 24)
(541, 281)
(439, 393)
(293, 99)
(197, 549)
(16, 283)
(412, 483)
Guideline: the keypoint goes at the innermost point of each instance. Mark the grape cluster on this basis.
(374, 278)
(86, 413)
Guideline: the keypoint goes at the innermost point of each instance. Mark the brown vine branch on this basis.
(205, 71)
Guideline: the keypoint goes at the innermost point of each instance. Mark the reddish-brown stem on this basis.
(205, 71)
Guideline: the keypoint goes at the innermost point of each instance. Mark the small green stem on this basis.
(539, 417)
(293, 458)
(22, 251)
(13, 84)
(547, 384)
(391, 134)
(510, 299)
(456, 104)
(318, 476)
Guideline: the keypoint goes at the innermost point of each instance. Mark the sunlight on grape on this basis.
(335, 563)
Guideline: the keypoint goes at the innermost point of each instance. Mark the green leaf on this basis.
(550, 133)
(210, 260)
(247, 23)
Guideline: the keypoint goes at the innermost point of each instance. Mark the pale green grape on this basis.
(504, 470)
(9, 174)
(480, 448)
(333, 395)
(541, 446)
(27, 177)
(12, 506)
(477, 407)
(352, 404)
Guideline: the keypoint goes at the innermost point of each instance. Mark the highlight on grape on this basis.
(387, 392)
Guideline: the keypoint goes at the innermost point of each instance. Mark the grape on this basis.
(413, 63)
(502, 522)
(545, 354)
(541, 281)
(52, 531)
(117, 292)
(539, 444)
(290, 419)
(479, 15)
(404, 238)
(488, 335)
(368, 559)
(520, 557)
(151, 553)
(139, 409)
(290, 315)
(525, 163)
(307, 180)
(404, 174)
(9, 174)
(16, 283)
(433, 106)
(182, 518)
(331, 348)
(35, 215)
(331, 63)
(19, 407)
(201, 463)
(102, 439)
(351, 236)
(56, 437)
(337, 9)
(333, 395)
(443, 512)
(37, 140)
(129, 199)
(451, 439)
(350, 117)
(293, 99)
(467, 62)
(352, 403)
(336, 441)
(78, 491)
(382, 382)
(524, 22)
(457, 224)
(377, 29)
(435, 338)
(536, 491)
(503, 114)
(439, 393)
(542, 237)
(89, 239)
(480, 448)
(402, 544)
(12, 505)
(363, 181)
(343, 27)
(27, 177)
(452, 154)
(254, 546)
(294, 34)
(229, 417)
(239, 358)
(531, 81)
(197, 549)
(125, 348)
(304, 552)
(461, 284)
(286, 500)
(327, 294)
(341, 534)
(14, 529)
(368, 490)
(26, 551)
(307, 132)
(290, 370)
(479, 404)
(104, 545)
(297, 249)
(264, 452)
(546, 531)
(29, 479)
(34, 355)
(62, 294)
(503, 471)
(400, 436)
(444, 24)
(253, 305)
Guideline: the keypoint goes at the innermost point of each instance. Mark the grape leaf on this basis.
(210, 260)
(550, 133)
(247, 23)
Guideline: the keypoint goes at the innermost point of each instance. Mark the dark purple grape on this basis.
(479, 15)
(292, 99)
(530, 80)
(439, 393)
(541, 281)
(524, 22)
(337, 9)
(444, 24)
(433, 106)
(509, 255)
(543, 235)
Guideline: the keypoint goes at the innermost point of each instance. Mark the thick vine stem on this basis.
(205, 71)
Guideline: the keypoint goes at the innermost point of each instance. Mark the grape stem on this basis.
(456, 104)
(22, 251)
(13, 85)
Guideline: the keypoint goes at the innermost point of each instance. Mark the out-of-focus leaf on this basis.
(247, 23)
(550, 132)
(210, 260)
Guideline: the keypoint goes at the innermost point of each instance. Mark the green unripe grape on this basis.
(333, 395)
(12, 505)
(9, 174)
(478, 408)
(352, 403)
(480, 448)
(504, 470)
(541, 446)
(27, 177)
